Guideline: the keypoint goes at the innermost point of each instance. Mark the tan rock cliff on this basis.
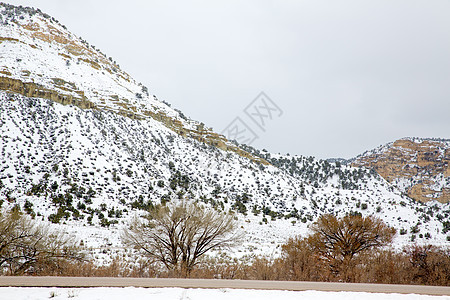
(421, 168)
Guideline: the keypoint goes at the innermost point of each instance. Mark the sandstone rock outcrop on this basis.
(419, 167)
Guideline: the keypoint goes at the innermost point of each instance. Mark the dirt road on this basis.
(213, 283)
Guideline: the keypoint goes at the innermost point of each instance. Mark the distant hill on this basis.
(420, 167)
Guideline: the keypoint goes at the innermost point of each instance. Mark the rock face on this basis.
(419, 167)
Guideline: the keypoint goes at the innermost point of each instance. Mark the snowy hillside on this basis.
(86, 147)
(419, 167)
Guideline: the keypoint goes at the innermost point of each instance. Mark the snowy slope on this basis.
(85, 147)
(70, 65)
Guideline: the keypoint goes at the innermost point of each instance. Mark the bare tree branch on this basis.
(24, 244)
(339, 240)
(177, 235)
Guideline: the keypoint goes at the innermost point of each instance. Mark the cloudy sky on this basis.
(348, 75)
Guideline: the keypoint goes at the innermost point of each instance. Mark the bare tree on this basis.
(177, 235)
(339, 240)
(26, 246)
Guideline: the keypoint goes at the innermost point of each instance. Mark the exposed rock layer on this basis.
(422, 165)
(30, 89)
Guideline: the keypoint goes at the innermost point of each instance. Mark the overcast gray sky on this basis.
(349, 75)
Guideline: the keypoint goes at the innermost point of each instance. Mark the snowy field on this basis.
(191, 294)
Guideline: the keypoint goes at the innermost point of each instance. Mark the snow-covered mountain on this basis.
(85, 146)
(419, 167)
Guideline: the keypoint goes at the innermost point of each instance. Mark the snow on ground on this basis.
(192, 294)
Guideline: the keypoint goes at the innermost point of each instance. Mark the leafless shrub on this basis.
(27, 247)
(338, 241)
(178, 235)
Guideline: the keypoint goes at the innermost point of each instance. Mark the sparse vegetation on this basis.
(91, 163)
